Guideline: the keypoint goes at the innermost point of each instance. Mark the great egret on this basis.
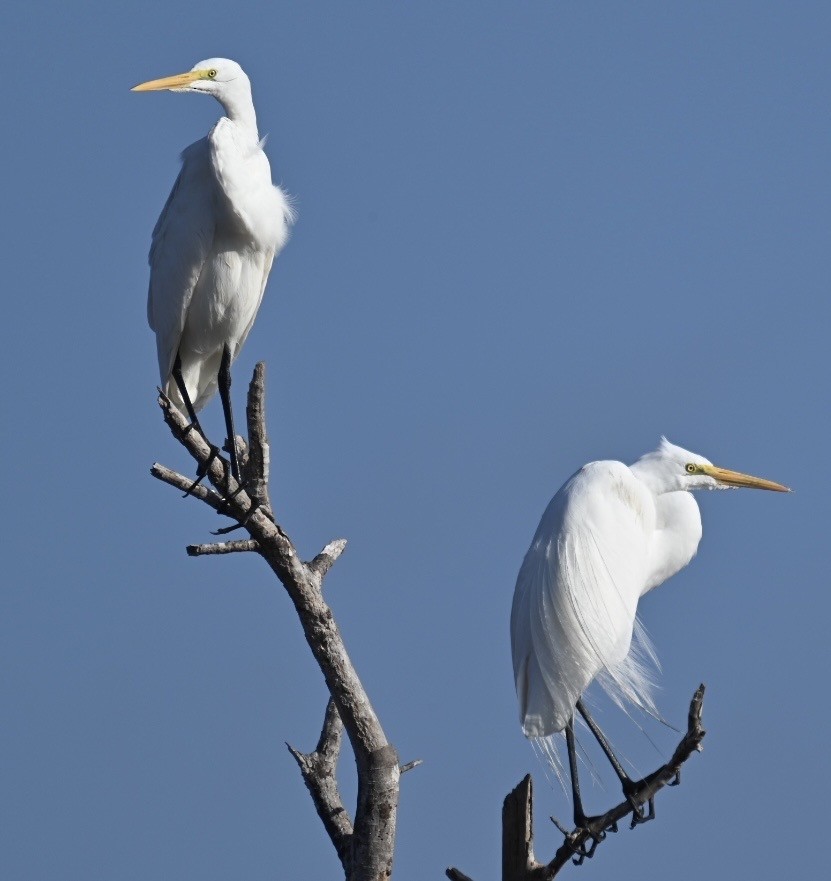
(610, 534)
(213, 245)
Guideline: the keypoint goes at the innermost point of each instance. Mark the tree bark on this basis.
(365, 847)
(518, 861)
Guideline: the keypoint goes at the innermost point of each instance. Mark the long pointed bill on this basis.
(179, 81)
(736, 478)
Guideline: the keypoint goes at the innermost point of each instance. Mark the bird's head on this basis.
(213, 76)
(671, 468)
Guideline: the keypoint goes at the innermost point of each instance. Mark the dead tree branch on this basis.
(318, 769)
(223, 547)
(366, 846)
(518, 861)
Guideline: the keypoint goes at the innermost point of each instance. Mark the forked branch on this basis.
(365, 847)
(318, 769)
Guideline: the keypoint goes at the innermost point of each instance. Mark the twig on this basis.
(645, 792)
(173, 478)
(518, 861)
(324, 561)
(223, 547)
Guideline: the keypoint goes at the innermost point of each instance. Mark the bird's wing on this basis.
(182, 239)
(576, 596)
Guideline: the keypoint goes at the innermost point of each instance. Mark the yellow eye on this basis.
(691, 469)
(212, 73)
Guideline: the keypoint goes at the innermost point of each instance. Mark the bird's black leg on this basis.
(580, 818)
(629, 787)
(224, 383)
(176, 373)
(202, 470)
(581, 821)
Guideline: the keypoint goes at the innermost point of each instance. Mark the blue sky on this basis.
(530, 235)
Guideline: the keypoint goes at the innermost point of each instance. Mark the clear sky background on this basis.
(530, 235)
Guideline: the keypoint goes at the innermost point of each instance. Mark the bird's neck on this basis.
(239, 108)
(675, 538)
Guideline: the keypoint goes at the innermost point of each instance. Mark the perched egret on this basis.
(610, 534)
(213, 245)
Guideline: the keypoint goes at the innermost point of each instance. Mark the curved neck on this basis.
(676, 537)
(239, 107)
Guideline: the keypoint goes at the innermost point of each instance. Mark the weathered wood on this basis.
(645, 792)
(258, 465)
(327, 558)
(518, 861)
(318, 769)
(245, 545)
(372, 837)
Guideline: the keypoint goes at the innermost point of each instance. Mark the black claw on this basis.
(640, 816)
(242, 523)
(225, 530)
(587, 825)
(202, 470)
(241, 487)
(223, 508)
(581, 851)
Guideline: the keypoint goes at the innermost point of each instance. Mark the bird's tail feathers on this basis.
(549, 750)
(632, 679)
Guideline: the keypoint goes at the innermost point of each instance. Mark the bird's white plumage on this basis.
(215, 241)
(609, 535)
(577, 592)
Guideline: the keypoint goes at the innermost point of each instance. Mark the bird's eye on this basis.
(691, 469)
(212, 73)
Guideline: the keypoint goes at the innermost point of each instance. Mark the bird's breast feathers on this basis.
(252, 206)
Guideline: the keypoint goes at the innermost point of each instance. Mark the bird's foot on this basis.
(585, 838)
(642, 812)
(588, 832)
(241, 524)
(202, 470)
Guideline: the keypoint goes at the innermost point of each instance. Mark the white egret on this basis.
(610, 534)
(213, 245)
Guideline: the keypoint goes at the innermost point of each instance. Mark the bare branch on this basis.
(185, 484)
(518, 861)
(318, 769)
(207, 459)
(667, 774)
(259, 454)
(410, 765)
(223, 547)
(324, 561)
(373, 835)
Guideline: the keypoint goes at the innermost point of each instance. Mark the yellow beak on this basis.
(736, 478)
(170, 82)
